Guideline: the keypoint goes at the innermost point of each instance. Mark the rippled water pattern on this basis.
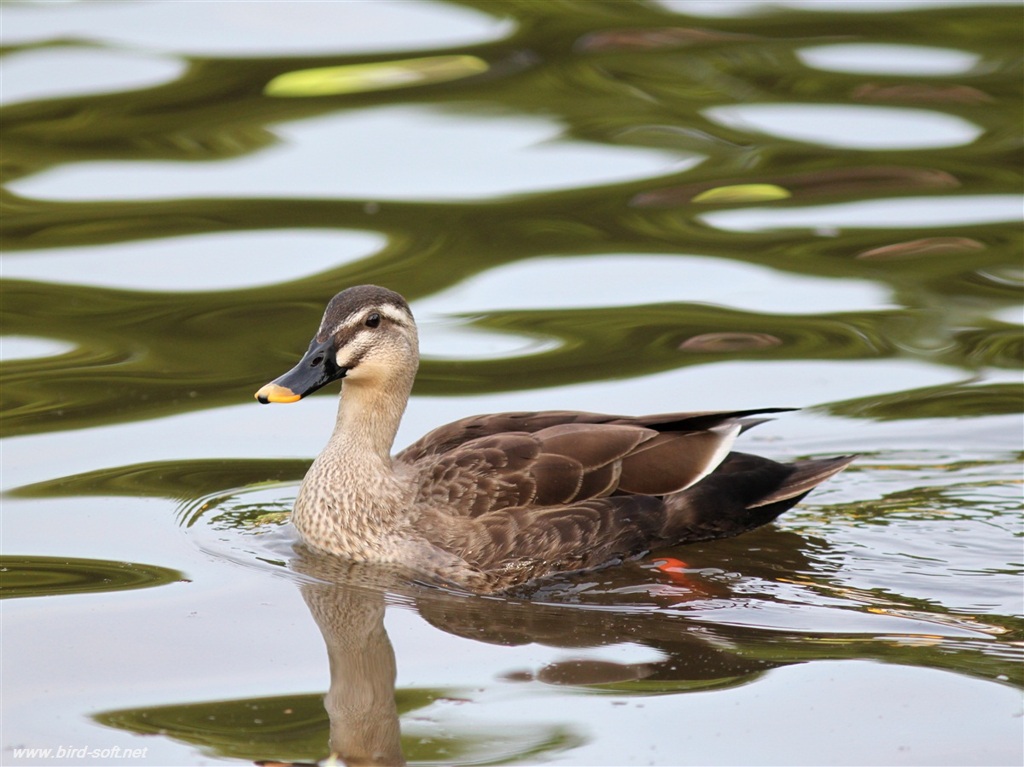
(613, 206)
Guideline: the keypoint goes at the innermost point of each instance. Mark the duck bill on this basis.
(316, 369)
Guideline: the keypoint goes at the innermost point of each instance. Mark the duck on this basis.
(491, 502)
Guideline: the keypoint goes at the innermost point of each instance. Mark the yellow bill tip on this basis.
(276, 393)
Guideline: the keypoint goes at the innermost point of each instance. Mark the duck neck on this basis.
(368, 420)
(351, 500)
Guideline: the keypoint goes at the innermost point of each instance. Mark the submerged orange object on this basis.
(670, 565)
(675, 570)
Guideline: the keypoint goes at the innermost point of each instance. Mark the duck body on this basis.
(493, 501)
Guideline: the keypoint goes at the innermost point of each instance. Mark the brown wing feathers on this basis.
(571, 462)
(675, 460)
(745, 492)
(444, 438)
(543, 492)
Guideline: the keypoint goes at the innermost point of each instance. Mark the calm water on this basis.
(614, 206)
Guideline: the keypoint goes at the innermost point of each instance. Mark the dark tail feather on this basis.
(744, 492)
(804, 477)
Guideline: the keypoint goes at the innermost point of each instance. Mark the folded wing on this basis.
(568, 463)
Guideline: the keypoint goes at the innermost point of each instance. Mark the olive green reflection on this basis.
(202, 351)
(33, 576)
(644, 77)
(950, 401)
(180, 480)
(673, 64)
(296, 728)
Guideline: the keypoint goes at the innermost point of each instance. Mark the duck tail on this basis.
(744, 492)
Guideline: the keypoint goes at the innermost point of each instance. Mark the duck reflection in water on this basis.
(348, 601)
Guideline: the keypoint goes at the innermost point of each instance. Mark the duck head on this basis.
(367, 336)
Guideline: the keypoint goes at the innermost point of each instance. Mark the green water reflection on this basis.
(295, 728)
(30, 576)
(181, 353)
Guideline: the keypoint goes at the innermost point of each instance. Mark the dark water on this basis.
(613, 206)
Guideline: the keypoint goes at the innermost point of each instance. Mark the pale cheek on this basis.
(347, 354)
(365, 371)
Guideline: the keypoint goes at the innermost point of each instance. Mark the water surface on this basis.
(621, 207)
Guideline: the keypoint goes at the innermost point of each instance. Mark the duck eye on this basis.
(373, 320)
